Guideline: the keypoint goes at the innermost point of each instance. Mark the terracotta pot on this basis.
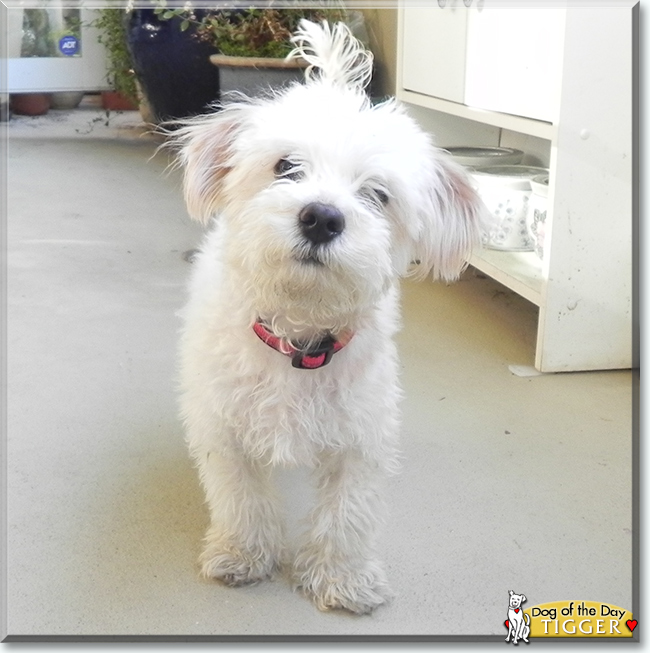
(255, 75)
(30, 104)
(114, 101)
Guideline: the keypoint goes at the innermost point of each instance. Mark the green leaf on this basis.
(184, 25)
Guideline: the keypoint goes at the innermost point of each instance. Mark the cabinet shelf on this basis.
(566, 100)
(527, 126)
(519, 271)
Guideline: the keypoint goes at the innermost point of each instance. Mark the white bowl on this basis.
(536, 217)
(478, 157)
(506, 191)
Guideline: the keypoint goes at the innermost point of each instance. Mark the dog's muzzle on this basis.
(320, 223)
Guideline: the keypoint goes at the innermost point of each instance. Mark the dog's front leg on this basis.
(336, 565)
(244, 542)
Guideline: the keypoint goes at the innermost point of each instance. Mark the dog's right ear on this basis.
(206, 147)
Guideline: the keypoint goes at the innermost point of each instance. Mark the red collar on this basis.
(316, 356)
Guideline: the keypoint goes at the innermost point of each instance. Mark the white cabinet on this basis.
(434, 54)
(513, 59)
(558, 83)
(496, 58)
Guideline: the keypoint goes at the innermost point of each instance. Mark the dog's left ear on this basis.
(452, 219)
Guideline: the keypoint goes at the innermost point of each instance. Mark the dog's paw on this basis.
(235, 567)
(357, 590)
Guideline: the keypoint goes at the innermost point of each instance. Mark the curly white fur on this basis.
(333, 54)
(245, 408)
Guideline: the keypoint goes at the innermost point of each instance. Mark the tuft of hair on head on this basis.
(334, 55)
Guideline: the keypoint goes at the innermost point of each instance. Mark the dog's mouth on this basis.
(310, 257)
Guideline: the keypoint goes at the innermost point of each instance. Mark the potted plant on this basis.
(252, 42)
(111, 24)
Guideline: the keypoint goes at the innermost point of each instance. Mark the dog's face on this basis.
(325, 199)
(516, 599)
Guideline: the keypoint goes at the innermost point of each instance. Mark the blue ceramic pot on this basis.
(173, 67)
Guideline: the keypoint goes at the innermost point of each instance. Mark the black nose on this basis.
(321, 223)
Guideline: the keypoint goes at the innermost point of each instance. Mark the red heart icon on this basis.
(516, 610)
(506, 623)
(631, 624)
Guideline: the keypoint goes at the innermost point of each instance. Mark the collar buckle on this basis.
(317, 356)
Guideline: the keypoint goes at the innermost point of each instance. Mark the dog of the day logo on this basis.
(566, 619)
(518, 622)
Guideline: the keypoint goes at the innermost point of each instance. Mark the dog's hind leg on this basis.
(244, 542)
(336, 564)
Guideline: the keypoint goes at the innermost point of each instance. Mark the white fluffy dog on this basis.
(321, 201)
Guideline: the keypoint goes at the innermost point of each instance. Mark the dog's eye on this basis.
(381, 195)
(376, 196)
(287, 169)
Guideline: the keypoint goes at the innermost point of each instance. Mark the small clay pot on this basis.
(115, 101)
(30, 104)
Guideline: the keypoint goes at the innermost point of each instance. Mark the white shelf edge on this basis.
(519, 271)
(520, 124)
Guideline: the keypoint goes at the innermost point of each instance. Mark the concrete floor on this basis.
(508, 482)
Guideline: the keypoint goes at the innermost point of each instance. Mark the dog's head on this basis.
(325, 198)
(516, 599)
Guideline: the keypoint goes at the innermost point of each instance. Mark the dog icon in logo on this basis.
(517, 623)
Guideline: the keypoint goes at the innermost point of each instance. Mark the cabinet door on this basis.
(434, 48)
(514, 57)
